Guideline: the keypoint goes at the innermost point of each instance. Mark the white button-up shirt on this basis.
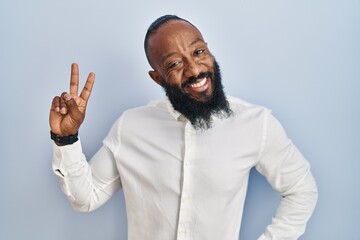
(180, 183)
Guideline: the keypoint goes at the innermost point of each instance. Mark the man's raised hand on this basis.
(68, 110)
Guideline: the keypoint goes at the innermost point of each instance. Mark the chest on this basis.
(163, 155)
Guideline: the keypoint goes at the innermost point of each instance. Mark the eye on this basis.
(199, 51)
(174, 64)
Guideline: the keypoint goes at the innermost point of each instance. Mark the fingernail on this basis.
(57, 109)
(63, 110)
(67, 97)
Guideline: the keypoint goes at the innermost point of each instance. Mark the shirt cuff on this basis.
(64, 157)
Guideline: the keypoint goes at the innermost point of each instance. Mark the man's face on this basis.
(185, 68)
(180, 58)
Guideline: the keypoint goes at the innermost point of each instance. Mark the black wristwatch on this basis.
(64, 140)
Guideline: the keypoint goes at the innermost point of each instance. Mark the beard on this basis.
(200, 113)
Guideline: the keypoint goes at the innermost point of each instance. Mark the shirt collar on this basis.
(177, 115)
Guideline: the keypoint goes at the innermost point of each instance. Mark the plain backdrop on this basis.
(299, 58)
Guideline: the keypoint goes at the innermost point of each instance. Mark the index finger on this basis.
(74, 80)
(85, 93)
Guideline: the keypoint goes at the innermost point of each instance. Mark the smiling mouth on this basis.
(200, 83)
(199, 86)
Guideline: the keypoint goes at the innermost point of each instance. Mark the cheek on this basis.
(209, 63)
(206, 63)
(174, 78)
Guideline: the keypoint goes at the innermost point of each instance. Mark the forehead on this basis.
(172, 36)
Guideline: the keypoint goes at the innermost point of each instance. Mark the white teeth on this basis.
(198, 84)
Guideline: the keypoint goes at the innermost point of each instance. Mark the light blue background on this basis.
(299, 58)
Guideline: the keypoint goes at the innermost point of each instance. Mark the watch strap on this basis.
(64, 140)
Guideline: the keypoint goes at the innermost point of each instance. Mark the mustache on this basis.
(193, 79)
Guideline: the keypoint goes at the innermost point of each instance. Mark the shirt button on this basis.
(187, 163)
(183, 231)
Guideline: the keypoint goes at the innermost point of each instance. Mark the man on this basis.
(183, 162)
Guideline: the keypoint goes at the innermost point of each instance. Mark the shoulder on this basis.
(140, 115)
(153, 108)
(241, 107)
(135, 119)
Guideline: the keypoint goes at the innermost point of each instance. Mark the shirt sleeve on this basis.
(289, 173)
(87, 185)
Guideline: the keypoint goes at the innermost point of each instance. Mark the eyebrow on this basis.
(173, 53)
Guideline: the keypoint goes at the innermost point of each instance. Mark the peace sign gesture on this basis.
(68, 110)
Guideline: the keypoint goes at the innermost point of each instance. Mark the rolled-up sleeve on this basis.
(289, 173)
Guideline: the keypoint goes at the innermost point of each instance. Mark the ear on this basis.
(156, 77)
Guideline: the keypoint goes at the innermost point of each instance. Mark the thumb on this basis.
(72, 107)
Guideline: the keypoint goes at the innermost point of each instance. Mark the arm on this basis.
(288, 173)
(87, 185)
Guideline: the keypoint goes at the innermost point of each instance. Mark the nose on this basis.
(192, 69)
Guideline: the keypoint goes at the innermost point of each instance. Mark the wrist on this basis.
(64, 140)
